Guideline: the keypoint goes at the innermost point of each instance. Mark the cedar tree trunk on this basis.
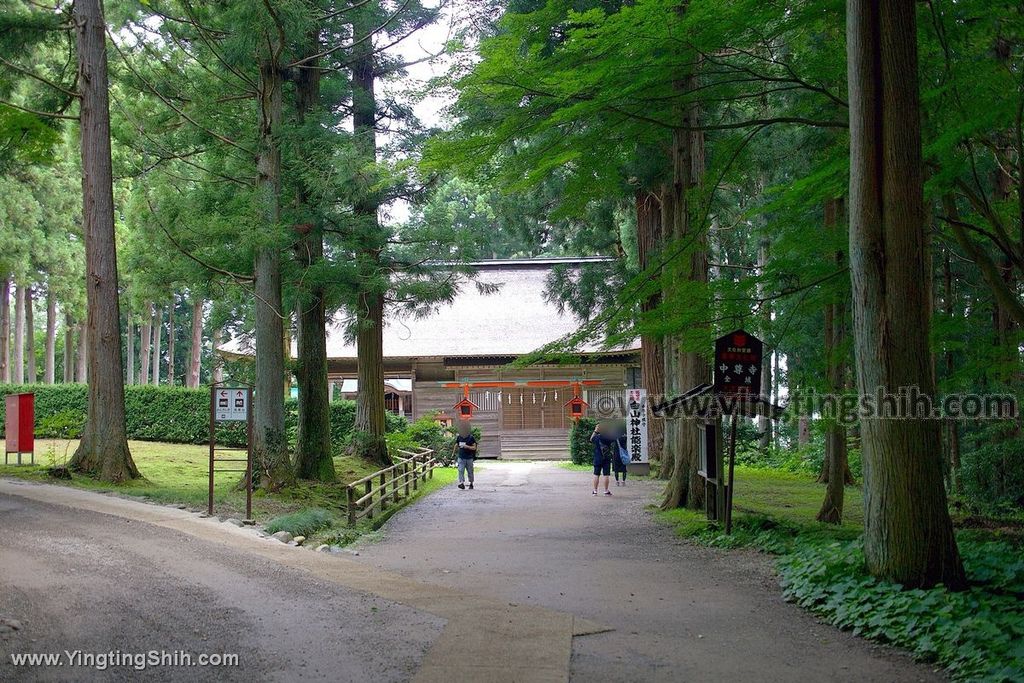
(103, 450)
(313, 442)
(195, 353)
(49, 368)
(908, 535)
(270, 449)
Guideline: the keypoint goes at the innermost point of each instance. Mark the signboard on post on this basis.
(738, 359)
(636, 426)
(231, 404)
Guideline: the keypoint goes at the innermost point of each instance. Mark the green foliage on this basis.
(992, 470)
(301, 523)
(167, 414)
(427, 433)
(975, 634)
(799, 460)
(66, 424)
(581, 451)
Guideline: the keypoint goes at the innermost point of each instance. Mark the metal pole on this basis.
(213, 436)
(732, 468)
(248, 457)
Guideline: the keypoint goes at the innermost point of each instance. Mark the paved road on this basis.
(533, 533)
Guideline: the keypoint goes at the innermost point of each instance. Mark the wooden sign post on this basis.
(737, 380)
(231, 404)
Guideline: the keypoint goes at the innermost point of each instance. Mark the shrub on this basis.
(580, 449)
(974, 633)
(992, 469)
(168, 414)
(302, 523)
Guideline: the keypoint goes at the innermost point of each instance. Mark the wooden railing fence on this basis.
(374, 492)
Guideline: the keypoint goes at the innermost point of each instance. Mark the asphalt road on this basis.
(534, 533)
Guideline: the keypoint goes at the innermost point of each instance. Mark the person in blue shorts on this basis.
(605, 448)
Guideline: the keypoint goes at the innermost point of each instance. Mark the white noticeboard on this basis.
(636, 425)
(231, 403)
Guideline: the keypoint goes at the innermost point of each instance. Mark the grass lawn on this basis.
(764, 497)
(178, 473)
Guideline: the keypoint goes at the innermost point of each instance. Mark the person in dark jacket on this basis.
(605, 449)
(466, 445)
(618, 462)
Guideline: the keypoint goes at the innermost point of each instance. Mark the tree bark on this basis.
(18, 376)
(370, 409)
(170, 344)
(908, 534)
(51, 337)
(82, 362)
(685, 369)
(313, 457)
(195, 354)
(69, 349)
(836, 471)
(158, 326)
(129, 373)
(5, 329)
(952, 429)
(30, 338)
(764, 423)
(835, 372)
(144, 344)
(652, 355)
(103, 450)
(217, 371)
(270, 449)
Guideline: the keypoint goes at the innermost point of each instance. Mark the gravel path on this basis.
(533, 533)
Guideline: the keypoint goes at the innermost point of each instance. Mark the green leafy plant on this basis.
(581, 451)
(976, 634)
(302, 523)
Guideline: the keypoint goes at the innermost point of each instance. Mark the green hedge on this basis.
(580, 449)
(168, 414)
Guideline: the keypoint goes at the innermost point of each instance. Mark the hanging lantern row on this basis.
(576, 405)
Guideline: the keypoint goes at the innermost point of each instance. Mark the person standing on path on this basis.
(620, 459)
(604, 447)
(467, 453)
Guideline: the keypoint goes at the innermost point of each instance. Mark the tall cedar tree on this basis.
(908, 535)
(103, 450)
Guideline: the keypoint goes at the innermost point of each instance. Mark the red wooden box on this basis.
(19, 425)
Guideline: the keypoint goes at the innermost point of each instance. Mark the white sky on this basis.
(425, 42)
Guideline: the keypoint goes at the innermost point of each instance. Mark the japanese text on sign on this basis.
(738, 358)
(636, 425)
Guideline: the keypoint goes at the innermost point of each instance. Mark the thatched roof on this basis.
(513, 320)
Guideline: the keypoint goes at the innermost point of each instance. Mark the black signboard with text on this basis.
(738, 358)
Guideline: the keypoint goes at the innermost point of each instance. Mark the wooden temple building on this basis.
(465, 348)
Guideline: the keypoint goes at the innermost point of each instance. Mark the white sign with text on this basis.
(636, 425)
